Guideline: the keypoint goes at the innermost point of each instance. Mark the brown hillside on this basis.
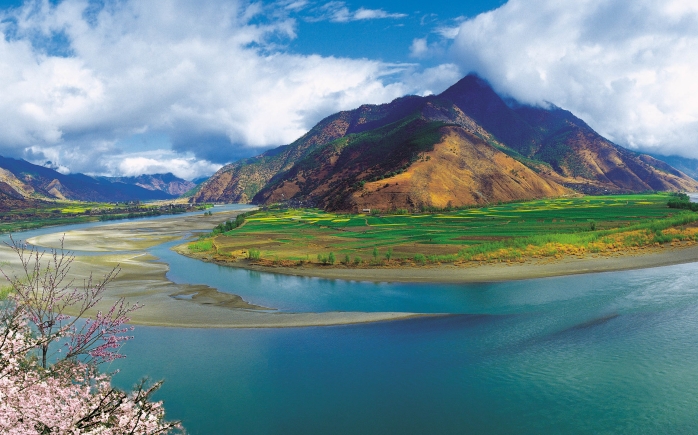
(461, 170)
(240, 181)
(551, 143)
(592, 164)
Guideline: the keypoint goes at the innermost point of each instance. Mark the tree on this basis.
(49, 377)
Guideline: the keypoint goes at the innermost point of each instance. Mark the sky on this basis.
(124, 87)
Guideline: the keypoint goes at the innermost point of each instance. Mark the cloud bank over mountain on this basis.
(626, 67)
(205, 83)
(213, 77)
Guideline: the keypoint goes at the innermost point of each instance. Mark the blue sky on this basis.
(385, 39)
(123, 87)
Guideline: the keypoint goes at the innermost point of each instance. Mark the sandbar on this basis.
(142, 278)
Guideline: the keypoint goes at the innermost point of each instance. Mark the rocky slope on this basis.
(464, 146)
(459, 168)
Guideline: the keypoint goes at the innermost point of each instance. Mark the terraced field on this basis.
(577, 225)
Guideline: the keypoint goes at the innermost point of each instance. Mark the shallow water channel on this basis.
(598, 353)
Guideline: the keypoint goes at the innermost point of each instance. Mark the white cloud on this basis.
(419, 47)
(338, 12)
(447, 32)
(295, 5)
(627, 68)
(433, 80)
(207, 75)
(187, 168)
(372, 14)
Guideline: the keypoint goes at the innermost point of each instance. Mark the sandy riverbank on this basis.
(476, 272)
(143, 279)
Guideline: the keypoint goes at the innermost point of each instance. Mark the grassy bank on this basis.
(507, 232)
(74, 212)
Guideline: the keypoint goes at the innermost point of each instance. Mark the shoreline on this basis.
(168, 304)
(481, 273)
(143, 279)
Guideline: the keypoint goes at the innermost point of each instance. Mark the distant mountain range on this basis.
(22, 181)
(167, 183)
(464, 146)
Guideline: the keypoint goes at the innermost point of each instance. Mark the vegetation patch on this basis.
(549, 228)
(73, 212)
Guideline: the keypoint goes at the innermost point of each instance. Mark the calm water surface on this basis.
(600, 353)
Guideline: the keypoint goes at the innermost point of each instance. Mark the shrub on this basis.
(420, 259)
(254, 254)
(201, 246)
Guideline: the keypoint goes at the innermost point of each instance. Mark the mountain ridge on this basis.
(30, 181)
(347, 151)
(167, 182)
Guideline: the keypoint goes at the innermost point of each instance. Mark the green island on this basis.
(51, 213)
(511, 232)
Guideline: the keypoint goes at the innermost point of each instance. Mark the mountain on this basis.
(32, 181)
(464, 146)
(167, 183)
(684, 164)
(10, 199)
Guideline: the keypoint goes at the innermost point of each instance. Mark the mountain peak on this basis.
(389, 155)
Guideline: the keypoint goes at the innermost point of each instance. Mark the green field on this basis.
(73, 212)
(552, 227)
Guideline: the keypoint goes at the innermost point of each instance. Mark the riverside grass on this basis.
(506, 232)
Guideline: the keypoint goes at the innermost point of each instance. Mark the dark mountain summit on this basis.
(464, 146)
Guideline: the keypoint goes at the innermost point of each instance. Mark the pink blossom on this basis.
(69, 396)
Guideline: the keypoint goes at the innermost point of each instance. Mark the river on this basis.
(598, 353)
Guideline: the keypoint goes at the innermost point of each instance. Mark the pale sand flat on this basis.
(143, 279)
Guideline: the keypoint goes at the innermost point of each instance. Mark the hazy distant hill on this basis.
(167, 183)
(464, 146)
(684, 164)
(32, 181)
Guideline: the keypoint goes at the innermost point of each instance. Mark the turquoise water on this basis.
(600, 353)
